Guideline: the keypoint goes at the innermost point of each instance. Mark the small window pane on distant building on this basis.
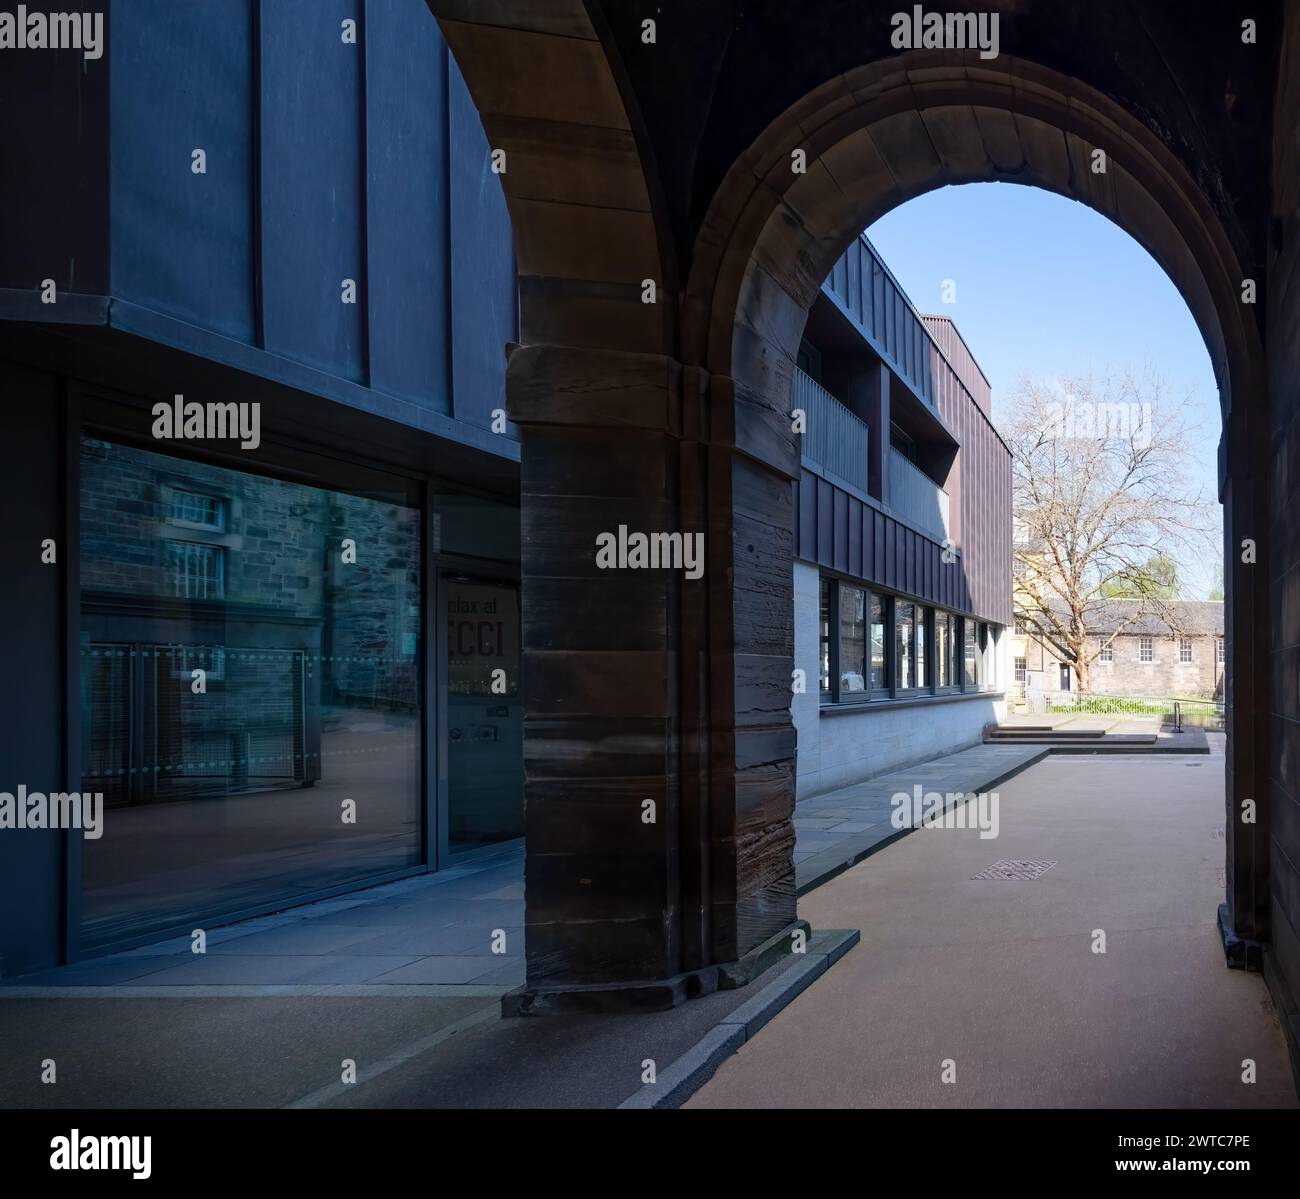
(1146, 651)
(1184, 649)
(193, 570)
(1108, 653)
(1021, 672)
(1218, 650)
(194, 508)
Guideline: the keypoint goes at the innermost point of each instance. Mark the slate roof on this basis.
(1204, 617)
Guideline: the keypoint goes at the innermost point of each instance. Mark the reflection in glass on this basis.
(920, 615)
(250, 699)
(903, 645)
(824, 637)
(879, 679)
(853, 640)
(971, 652)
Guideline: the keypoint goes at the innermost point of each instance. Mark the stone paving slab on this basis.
(870, 827)
(430, 930)
(437, 930)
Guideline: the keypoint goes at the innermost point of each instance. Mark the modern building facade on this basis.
(238, 640)
(1178, 653)
(281, 635)
(902, 574)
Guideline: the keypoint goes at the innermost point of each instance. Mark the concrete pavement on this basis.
(999, 978)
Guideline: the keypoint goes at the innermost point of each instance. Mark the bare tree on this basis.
(1100, 490)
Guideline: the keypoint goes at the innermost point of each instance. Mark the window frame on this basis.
(1146, 650)
(983, 636)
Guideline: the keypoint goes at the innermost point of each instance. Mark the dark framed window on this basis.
(824, 636)
(1021, 671)
(879, 645)
(873, 646)
(971, 675)
(216, 796)
(904, 659)
(853, 642)
(921, 640)
(854, 648)
(943, 629)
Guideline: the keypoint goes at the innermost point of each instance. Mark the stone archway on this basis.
(655, 688)
(667, 410)
(880, 135)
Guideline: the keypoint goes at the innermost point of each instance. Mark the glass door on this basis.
(482, 792)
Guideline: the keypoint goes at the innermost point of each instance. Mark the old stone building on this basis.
(1133, 653)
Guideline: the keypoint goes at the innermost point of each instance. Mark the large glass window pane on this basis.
(853, 641)
(251, 705)
(879, 679)
(942, 649)
(971, 652)
(903, 664)
(921, 649)
(824, 637)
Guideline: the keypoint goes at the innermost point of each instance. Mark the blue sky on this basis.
(1048, 287)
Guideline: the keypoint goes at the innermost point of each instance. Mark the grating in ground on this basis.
(1015, 868)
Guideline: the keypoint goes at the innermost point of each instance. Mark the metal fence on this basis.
(835, 443)
(1202, 713)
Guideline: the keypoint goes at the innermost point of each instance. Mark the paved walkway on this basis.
(998, 975)
(838, 829)
(994, 974)
(434, 934)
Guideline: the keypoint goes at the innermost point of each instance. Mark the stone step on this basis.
(1052, 734)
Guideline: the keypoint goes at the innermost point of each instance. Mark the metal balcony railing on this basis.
(834, 441)
(916, 497)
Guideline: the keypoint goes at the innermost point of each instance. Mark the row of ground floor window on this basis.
(900, 681)
(874, 645)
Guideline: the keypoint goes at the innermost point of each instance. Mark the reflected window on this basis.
(824, 637)
(853, 640)
(879, 644)
(243, 684)
(904, 662)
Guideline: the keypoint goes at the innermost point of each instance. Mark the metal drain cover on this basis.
(1015, 869)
